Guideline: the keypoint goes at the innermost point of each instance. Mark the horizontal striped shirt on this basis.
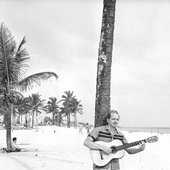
(103, 134)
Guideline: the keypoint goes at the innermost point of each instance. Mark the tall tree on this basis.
(12, 68)
(16, 96)
(67, 99)
(77, 107)
(36, 107)
(22, 106)
(52, 107)
(102, 103)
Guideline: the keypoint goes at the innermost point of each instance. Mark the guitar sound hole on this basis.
(114, 149)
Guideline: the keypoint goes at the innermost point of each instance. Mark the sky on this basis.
(63, 37)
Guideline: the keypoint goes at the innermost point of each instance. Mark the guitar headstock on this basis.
(152, 139)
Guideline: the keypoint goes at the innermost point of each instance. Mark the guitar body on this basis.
(99, 158)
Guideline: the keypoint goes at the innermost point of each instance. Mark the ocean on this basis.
(161, 130)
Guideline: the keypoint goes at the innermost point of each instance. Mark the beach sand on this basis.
(53, 148)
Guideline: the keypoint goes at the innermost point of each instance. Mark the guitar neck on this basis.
(128, 145)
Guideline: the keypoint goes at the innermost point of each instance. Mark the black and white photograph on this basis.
(84, 84)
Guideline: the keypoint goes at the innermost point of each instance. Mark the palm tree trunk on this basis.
(53, 118)
(36, 121)
(26, 120)
(102, 105)
(12, 115)
(75, 120)
(59, 119)
(8, 129)
(33, 119)
(20, 119)
(29, 119)
(68, 120)
(8, 119)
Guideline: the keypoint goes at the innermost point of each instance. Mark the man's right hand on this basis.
(105, 149)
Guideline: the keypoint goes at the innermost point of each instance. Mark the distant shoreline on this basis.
(160, 130)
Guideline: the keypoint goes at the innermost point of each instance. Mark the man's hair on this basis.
(14, 138)
(108, 116)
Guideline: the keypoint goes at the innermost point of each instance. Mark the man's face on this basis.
(114, 120)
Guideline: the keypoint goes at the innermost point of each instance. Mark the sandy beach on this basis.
(54, 148)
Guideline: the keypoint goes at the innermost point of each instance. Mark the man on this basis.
(15, 148)
(107, 133)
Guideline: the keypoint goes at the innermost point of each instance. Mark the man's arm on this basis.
(14, 146)
(136, 150)
(92, 145)
(133, 150)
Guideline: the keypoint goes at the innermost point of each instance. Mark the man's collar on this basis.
(107, 128)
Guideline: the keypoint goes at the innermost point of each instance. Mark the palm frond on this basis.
(4, 110)
(29, 82)
(21, 56)
(22, 42)
(17, 94)
(7, 51)
(12, 61)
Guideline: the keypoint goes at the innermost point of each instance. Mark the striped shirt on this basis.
(103, 134)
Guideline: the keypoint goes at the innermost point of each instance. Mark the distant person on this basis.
(107, 133)
(15, 147)
(88, 128)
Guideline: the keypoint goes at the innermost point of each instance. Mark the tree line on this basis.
(30, 107)
(13, 61)
(13, 65)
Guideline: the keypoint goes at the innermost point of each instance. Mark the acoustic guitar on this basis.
(100, 158)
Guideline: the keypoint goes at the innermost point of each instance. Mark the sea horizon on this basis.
(151, 129)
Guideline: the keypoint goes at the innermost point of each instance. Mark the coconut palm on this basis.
(13, 61)
(102, 104)
(52, 107)
(77, 107)
(67, 100)
(15, 97)
(36, 107)
(3, 107)
(22, 106)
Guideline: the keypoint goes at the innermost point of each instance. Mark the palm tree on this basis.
(36, 107)
(52, 107)
(3, 107)
(67, 99)
(22, 106)
(102, 103)
(77, 107)
(15, 96)
(12, 68)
